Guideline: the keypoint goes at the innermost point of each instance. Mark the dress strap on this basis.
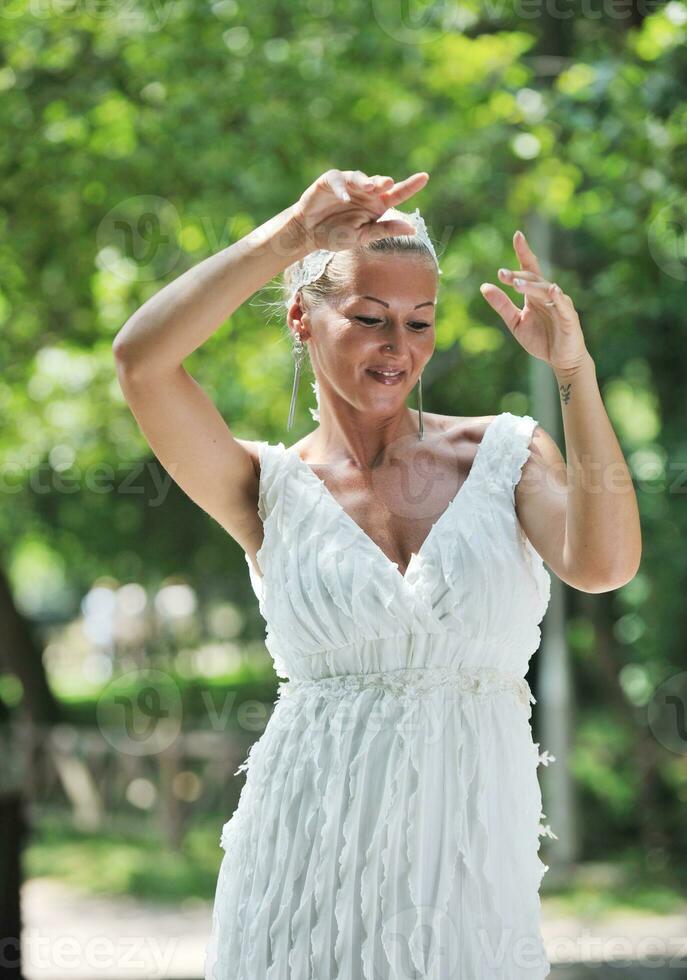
(509, 449)
(269, 458)
(267, 497)
(519, 446)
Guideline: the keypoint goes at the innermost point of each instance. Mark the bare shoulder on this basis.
(468, 429)
(460, 430)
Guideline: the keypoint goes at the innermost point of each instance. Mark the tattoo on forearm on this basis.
(565, 392)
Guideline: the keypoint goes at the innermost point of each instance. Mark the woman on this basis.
(390, 820)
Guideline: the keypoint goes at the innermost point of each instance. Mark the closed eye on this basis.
(416, 324)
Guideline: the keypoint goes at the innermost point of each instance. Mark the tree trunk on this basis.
(19, 655)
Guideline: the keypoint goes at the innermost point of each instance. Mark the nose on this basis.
(395, 338)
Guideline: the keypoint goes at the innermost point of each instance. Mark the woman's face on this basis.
(384, 320)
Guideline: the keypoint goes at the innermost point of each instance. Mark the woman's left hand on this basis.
(547, 326)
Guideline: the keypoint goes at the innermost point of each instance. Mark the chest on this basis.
(396, 506)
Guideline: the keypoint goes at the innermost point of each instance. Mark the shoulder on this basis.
(528, 444)
(519, 444)
(511, 428)
(458, 429)
(540, 449)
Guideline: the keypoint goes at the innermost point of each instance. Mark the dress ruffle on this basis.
(356, 879)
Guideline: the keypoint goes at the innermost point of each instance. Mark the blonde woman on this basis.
(391, 816)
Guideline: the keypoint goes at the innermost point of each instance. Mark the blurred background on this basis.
(141, 137)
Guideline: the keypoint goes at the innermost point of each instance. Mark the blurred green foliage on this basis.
(141, 138)
(141, 865)
(129, 864)
(201, 700)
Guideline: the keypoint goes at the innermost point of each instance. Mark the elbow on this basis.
(123, 359)
(120, 352)
(606, 579)
(127, 357)
(138, 355)
(122, 348)
(128, 366)
(625, 571)
(603, 570)
(129, 342)
(132, 368)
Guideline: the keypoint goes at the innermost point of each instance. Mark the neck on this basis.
(346, 435)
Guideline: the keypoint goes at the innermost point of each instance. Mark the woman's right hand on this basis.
(341, 209)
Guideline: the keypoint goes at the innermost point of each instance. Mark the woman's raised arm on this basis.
(183, 314)
(180, 422)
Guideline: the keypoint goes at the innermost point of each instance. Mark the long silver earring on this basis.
(421, 428)
(298, 350)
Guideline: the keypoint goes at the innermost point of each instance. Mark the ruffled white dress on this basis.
(390, 821)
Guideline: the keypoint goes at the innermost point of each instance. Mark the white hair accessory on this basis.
(313, 265)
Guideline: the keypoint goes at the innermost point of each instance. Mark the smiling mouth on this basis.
(389, 377)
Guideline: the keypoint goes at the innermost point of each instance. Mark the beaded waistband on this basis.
(415, 681)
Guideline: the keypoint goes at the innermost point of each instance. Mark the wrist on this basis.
(283, 238)
(584, 364)
(298, 230)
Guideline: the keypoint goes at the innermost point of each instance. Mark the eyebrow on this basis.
(375, 300)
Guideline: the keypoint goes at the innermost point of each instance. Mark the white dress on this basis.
(389, 824)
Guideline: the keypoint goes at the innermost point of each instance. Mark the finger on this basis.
(497, 299)
(404, 189)
(528, 260)
(357, 180)
(508, 275)
(337, 183)
(389, 229)
(362, 188)
(538, 291)
(381, 184)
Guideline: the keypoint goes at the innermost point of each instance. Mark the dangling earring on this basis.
(421, 428)
(298, 350)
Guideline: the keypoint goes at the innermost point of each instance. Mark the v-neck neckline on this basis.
(415, 555)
